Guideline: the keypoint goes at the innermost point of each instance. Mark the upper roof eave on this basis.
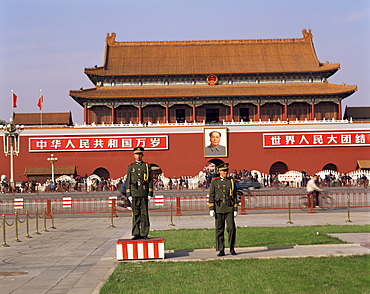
(212, 91)
(104, 73)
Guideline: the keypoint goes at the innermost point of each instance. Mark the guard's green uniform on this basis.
(139, 185)
(223, 200)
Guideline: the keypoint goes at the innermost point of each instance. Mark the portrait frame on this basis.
(219, 152)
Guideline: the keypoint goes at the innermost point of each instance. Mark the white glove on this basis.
(212, 213)
(130, 198)
(235, 213)
(149, 197)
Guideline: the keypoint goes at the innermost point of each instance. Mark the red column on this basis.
(167, 115)
(285, 117)
(140, 114)
(113, 115)
(339, 116)
(258, 114)
(194, 113)
(231, 112)
(85, 114)
(312, 111)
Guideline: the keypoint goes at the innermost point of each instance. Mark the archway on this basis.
(216, 161)
(102, 173)
(156, 170)
(330, 166)
(278, 168)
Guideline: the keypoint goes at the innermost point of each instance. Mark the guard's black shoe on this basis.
(136, 237)
(145, 237)
(232, 252)
(221, 253)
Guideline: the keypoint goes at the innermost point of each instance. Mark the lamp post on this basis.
(11, 146)
(52, 160)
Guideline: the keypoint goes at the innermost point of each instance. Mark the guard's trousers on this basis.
(220, 219)
(140, 216)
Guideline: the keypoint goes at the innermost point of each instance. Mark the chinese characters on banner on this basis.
(101, 143)
(335, 139)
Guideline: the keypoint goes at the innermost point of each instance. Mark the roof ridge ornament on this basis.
(307, 35)
(111, 39)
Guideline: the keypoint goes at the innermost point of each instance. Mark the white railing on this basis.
(203, 123)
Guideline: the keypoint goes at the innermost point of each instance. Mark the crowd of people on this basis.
(77, 184)
(81, 184)
(344, 181)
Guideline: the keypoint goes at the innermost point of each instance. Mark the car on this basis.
(247, 184)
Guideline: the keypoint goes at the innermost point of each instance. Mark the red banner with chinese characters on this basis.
(100, 143)
(318, 139)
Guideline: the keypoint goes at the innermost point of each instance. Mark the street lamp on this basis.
(52, 160)
(11, 145)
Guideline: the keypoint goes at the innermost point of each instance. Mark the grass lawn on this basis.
(302, 275)
(257, 236)
(284, 275)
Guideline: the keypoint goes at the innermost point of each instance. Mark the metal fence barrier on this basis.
(17, 220)
(184, 202)
(273, 199)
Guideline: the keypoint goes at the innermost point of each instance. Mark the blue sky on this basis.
(46, 44)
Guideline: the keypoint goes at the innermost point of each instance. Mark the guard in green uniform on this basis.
(139, 189)
(223, 205)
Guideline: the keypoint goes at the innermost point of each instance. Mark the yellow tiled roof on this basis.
(210, 57)
(57, 118)
(46, 170)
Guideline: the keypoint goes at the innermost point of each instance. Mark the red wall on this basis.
(186, 157)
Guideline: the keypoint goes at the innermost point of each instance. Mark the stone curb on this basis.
(269, 247)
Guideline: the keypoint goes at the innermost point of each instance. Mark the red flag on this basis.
(14, 98)
(40, 101)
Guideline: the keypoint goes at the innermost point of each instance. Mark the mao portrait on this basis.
(215, 142)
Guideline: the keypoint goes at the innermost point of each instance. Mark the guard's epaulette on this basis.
(142, 162)
(215, 178)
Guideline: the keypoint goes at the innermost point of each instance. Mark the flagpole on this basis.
(41, 107)
(14, 102)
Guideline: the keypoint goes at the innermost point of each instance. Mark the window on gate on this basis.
(212, 115)
(180, 115)
(272, 111)
(325, 110)
(100, 114)
(244, 114)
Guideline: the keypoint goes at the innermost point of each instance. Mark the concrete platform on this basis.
(80, 254)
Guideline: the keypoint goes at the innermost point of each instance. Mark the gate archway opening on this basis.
(156, 170)
(211, 166)
(278, 168)
(330, 166)
(216, 161)
(102, 172)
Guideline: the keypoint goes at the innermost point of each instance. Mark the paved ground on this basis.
(79, 255)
